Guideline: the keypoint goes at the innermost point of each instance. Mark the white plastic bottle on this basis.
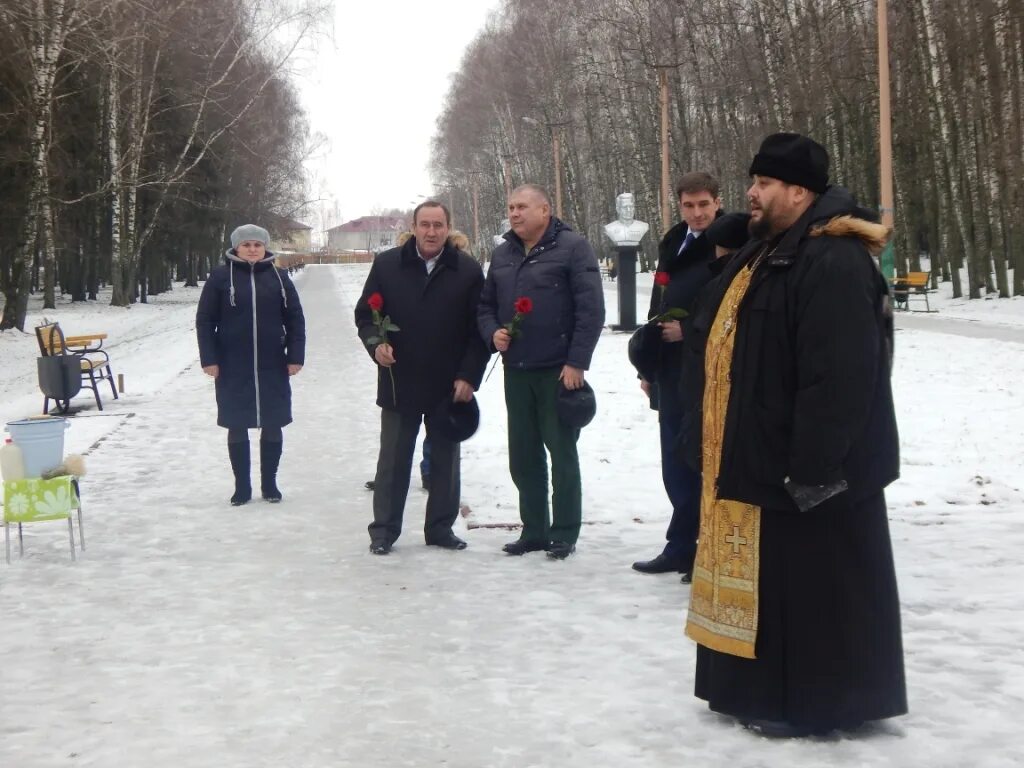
(12, 465)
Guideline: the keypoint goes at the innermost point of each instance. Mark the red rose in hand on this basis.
(522, 306)
(661, 281)
(383, 325)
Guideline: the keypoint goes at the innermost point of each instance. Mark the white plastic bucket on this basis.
(41, 442)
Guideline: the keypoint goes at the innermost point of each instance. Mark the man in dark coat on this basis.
(794, 602)
(429, 288)
(543, 260)
(252, 337)
(684, 260)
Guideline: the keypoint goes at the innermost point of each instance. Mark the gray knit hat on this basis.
(249, 232)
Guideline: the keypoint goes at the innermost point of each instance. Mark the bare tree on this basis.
(739, 69)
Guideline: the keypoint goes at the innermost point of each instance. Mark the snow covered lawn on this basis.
(191, 633)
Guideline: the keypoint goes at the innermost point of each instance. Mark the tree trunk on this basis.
(120, 273)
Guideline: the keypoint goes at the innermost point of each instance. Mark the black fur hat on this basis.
(729, 231)
(456, 421)
(794, 159)
(576, 407)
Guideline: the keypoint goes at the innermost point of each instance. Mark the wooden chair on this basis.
(914, 285)
(88, 348)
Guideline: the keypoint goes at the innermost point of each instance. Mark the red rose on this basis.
(524, 305)
(376, 302)
(662, 278)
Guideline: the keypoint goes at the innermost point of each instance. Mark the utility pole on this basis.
(556, 151)
(666, 192)
(887, 262)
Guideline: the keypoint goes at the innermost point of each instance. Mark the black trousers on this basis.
(398, 434)
(683, 487)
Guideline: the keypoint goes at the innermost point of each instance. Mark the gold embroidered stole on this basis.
(723, 597)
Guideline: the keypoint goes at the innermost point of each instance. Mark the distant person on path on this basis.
(543, 260)
(684, 259)
(794, 604)
(429, 287)
(252, 338)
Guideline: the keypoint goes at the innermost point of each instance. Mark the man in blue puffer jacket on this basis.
(543, 260)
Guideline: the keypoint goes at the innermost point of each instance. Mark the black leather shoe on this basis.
(451, 541)
(380, 549)
(370, 484)
(661, 564)
(559, 550)
(521, 547)
(686, 578)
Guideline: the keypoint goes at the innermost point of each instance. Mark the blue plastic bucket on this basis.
(41, 442)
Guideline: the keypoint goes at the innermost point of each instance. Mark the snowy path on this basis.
(1000, 327)
(195, 634)
(971, 328)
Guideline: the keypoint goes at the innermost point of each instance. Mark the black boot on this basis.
(270, 457)
(239, 453)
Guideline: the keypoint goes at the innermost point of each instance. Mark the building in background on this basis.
(370, 234)
(291, 240)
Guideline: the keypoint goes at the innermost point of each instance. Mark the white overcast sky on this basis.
(374, 89)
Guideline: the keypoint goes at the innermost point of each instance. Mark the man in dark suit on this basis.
(429, 288)
(684, 259)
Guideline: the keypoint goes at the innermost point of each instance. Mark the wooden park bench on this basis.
(93, 362)
(914, 285)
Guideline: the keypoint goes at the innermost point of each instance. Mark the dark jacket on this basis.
(688, 273)
(253, 342)
(436, 313)
(811, 398)
(562, 278)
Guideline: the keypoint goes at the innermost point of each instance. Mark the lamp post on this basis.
(556, 151)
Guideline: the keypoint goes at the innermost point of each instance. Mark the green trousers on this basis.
(533, 425)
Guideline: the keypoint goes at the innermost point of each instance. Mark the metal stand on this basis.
(625, 261)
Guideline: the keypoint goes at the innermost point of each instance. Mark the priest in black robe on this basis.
(794, 603)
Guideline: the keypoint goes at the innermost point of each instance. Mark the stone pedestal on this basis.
(625, 263)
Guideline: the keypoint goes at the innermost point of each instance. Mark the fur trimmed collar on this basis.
(455, 239)
(874, 236)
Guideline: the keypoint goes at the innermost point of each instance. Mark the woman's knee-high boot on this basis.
(270, 457)
(239, 453)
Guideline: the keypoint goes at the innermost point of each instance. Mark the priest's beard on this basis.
(765, 227)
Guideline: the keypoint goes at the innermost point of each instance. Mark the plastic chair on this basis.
(35, 499)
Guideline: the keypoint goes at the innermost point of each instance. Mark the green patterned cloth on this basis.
(33, 499)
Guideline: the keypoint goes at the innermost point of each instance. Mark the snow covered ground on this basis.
(191, 633)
